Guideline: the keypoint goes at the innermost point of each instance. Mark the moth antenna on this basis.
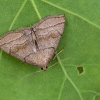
(30, 74)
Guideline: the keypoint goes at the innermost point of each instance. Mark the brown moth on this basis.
(35, 45)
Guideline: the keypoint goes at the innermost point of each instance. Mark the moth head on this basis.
(44, 68)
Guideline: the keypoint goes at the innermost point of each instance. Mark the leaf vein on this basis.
(61, 89)
(19, 11)
(35, 7)
(97, 93)
(65, 73)
(70, 12)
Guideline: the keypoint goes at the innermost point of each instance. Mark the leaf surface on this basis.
(75, 73)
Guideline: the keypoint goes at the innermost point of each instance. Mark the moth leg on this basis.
(58, 52)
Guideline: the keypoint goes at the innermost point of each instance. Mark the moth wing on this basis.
(48, 33)
(49, 30)
(18, 43)
(36, 47)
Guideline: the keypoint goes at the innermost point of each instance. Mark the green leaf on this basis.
(75, 73)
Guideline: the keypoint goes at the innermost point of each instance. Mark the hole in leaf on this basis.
(80, 69)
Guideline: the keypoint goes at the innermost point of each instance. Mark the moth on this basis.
(37, 44)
